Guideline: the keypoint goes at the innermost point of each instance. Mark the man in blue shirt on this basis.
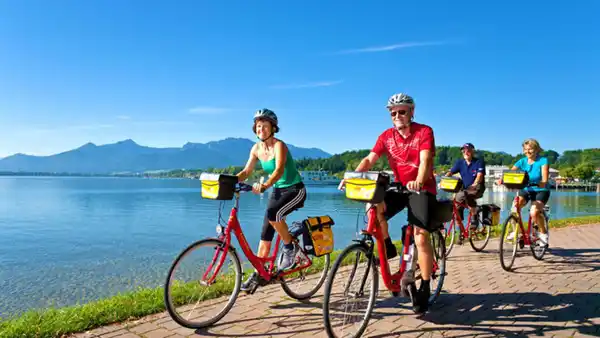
(472, 173)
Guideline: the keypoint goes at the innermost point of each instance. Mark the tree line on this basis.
(572, 163)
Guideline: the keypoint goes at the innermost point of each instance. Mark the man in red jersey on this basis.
(409, 147)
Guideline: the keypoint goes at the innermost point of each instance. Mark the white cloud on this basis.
(207, 110)
(388, 48)
(123, 117)
(308, 85)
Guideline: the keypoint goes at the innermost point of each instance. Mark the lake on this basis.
(65, 240)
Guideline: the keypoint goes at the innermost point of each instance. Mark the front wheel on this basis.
(509, 241)
(203, 284)
(449, 232)
(352, 284)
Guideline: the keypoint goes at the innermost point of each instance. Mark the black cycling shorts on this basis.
(531, 195)
(282, 201)
(420, 208)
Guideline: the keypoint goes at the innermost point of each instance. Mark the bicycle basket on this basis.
(490, 214)
(218, 186)
(367, 187)
(451, 184)
(318, 240)
(515, 179)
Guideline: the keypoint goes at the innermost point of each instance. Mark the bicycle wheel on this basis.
(508, 246)
(449, 235)
(351, 291)
(305, 283)
(189, 297)
(480, 237)
(537, 249)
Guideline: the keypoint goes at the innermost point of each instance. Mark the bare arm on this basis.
(545, 175)
(280, 159)
(478, 179)
(245, 173)
(367, 162)
(425, 164)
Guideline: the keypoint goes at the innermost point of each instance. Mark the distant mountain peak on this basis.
(128, 142)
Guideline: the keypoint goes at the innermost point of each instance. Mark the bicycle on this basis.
(478, 237)
(402, 282)
(178, 294)
(514, 223)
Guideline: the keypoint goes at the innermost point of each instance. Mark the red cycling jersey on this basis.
(403, 153)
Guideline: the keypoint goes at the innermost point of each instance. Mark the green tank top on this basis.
(290, 175)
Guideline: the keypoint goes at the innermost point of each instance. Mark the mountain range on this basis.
(128, 156)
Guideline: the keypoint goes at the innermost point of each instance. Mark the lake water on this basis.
(66, 240)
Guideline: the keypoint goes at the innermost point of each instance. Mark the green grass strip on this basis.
(56, 322)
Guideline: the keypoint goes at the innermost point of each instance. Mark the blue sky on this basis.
(165, 73)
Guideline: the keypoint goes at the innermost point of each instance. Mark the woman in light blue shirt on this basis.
(538, 170)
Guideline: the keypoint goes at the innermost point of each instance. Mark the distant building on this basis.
(495, 171)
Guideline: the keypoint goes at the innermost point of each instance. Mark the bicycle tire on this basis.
(452, 232)
(539, 256)
(485, 242)
(508, 267)
(171, 308)
(440, 255)
(362, 248)
(320, 281)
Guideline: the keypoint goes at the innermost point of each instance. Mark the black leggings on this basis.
(282, 201)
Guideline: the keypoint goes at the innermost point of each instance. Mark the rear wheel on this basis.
(305, 283)
(537, 248)
(509, 240)
(480, 236)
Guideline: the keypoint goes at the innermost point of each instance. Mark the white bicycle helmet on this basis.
(400, 99)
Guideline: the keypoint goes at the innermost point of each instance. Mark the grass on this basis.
(56, 322)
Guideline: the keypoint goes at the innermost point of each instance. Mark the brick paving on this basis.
(557, 297)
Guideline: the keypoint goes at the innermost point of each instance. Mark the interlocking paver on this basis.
(556, 297)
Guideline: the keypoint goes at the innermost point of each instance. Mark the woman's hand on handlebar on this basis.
(258, 188)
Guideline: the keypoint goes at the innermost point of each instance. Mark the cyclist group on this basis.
(410, 148)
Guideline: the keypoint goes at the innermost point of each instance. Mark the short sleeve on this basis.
(427, 140)
(481, 166)
(379, 147)
(519, 164)
(543, 161)
(455, 167)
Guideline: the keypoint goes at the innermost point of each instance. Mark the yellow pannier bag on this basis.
(318, 239)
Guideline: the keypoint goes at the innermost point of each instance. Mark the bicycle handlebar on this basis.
(243, 187)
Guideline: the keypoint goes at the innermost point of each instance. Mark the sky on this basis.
(165, 73)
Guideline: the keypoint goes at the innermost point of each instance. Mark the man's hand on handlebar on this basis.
(414, 186)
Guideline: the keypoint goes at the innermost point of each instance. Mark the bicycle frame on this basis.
(234, 228)
(391, 281)
(463, 230)
(527, 238)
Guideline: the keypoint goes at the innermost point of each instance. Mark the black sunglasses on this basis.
(399, 112)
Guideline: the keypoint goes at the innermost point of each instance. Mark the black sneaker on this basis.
(421, 303)
(288, 258)
(250, 282)
(390, 252)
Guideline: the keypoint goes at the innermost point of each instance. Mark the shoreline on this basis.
(56, 322)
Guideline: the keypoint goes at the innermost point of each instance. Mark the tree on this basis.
(584, 171)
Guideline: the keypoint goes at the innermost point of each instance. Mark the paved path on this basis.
(557, 297)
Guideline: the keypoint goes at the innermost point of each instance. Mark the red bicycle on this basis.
(478, 236)
(510, 238)
(195, 290)
(370, 187)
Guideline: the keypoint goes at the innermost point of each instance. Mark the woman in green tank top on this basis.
(288, 192)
